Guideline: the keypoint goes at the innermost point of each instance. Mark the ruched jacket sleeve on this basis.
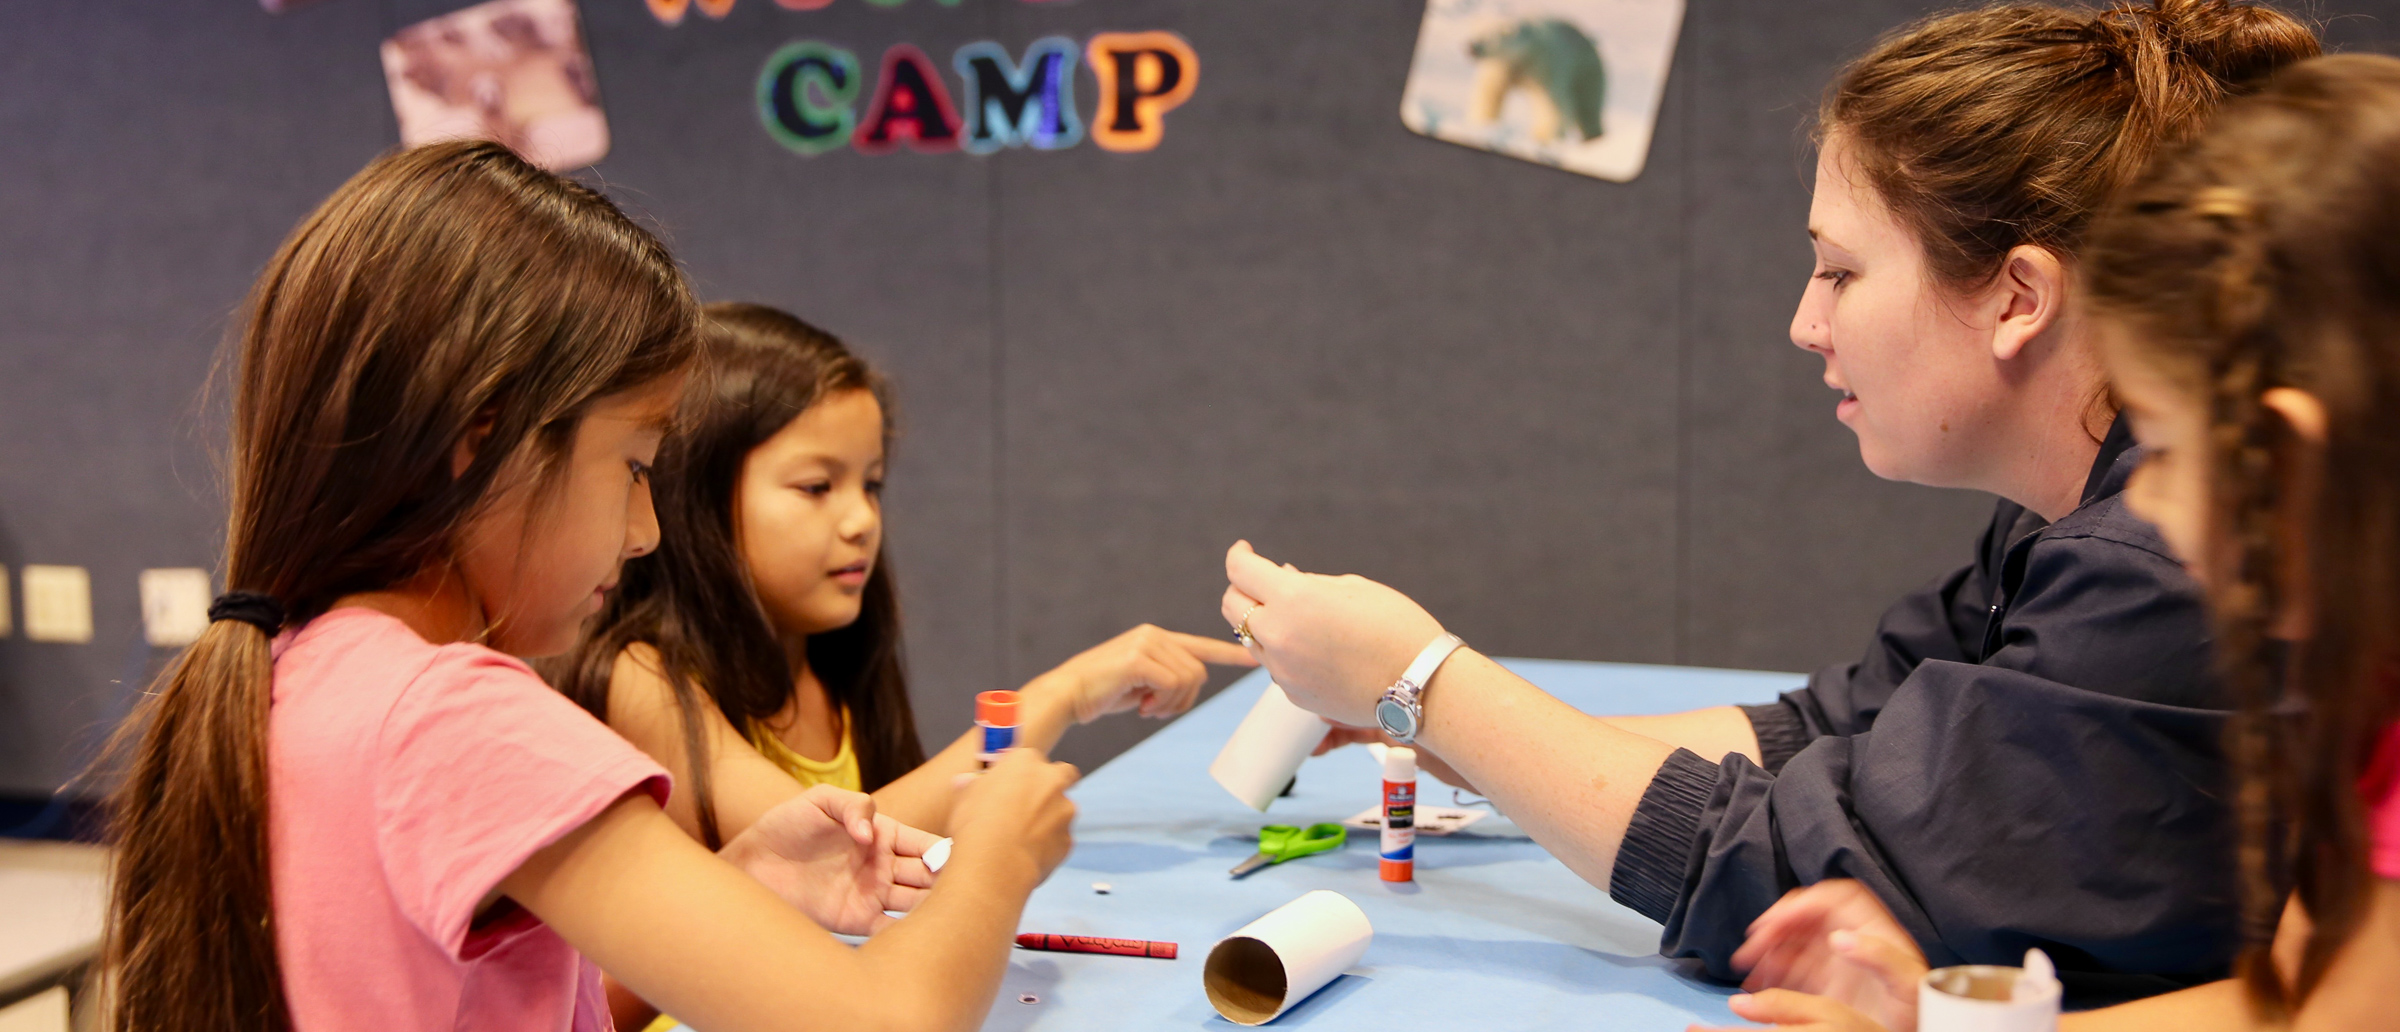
(2028, 755)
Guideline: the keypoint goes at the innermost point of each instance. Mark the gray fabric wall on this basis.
(1560, 412)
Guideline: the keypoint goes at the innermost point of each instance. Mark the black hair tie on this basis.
(250, 607)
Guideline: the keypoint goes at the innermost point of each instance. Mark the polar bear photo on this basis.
(1571, 84)
(1554, 63)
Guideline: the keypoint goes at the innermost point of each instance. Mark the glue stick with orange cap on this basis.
(996, 714)
(1399, 815)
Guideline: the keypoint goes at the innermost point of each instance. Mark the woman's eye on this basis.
(874, 487)
(816, 490)
(641, 470)
(1837, 277)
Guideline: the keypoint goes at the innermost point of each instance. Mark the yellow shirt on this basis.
(841, 772)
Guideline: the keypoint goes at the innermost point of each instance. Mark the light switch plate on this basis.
(58, 604)
(175, 605)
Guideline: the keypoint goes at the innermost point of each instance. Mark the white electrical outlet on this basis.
(58, 604)
(175, 605)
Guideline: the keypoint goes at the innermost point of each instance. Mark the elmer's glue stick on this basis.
(996, 714)
(1399, 814)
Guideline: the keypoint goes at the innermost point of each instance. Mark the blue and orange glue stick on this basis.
(996, 714)
(1399, 814)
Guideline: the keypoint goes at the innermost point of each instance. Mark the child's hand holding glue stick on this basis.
(1015, 814)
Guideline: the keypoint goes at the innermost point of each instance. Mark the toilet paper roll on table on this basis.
(1267, 749)
(1273, 963)
(1983, 998)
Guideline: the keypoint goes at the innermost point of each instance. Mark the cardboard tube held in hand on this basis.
(1272, 963)
(1267, 749)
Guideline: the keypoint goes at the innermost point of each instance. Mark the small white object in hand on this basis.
(1102, 887)
(936, 855)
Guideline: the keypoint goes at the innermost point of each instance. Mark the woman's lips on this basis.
(1849, 402)
(850, 576)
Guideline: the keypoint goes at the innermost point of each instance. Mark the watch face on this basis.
(1395, 719)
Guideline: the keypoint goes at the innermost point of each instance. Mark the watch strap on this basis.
(1431, 659)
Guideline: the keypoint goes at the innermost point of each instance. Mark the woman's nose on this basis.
(1809, 323)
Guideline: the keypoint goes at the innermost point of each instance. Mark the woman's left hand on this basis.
(1786, 1009)
(1333, 643)
(832, 857)
(1157, 671)
(1837, 939)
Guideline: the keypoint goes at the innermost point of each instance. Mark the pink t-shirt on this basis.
(2381, 788)
(405, 781)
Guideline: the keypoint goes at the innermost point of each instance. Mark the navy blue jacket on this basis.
(2028, 755)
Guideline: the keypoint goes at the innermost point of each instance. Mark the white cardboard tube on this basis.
(1260, 971)
(1978, 998)
(1267, 749)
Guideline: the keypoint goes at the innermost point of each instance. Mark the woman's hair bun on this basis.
(2009, 124)
(2233, 44)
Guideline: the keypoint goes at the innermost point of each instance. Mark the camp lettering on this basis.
(810, 93)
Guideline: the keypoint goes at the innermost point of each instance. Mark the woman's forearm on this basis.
(1712, 733)
(1571, 780)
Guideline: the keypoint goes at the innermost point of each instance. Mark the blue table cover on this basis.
(1494, 932)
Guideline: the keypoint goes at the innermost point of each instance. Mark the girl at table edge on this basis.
(2249, 291)
(1960, 161)
(346, 806)
(765, 639)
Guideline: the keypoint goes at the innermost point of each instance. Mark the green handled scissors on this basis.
(1280, 842)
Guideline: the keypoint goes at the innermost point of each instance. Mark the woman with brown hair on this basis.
(349, 805)
(2247, 291)
(2028, 752)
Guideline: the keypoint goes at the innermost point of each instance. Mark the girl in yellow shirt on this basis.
(758, 651)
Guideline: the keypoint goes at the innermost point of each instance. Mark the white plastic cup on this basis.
(1267, 749)
(1273, 963)
(1985, 998)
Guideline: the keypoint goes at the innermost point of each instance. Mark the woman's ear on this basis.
(2301, 412)
(2032, 295)
(479, 433)
(2300, 478)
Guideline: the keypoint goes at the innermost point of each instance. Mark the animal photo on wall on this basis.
(1573, 84)
(514, 71)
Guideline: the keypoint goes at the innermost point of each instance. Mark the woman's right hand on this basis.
(1017, 808)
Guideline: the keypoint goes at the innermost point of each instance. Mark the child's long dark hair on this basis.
(442, 291)
(692, 600)
(2267, 254)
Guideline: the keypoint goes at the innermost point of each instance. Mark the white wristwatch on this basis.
(1398, 712)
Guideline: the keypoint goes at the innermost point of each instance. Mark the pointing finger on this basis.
(1213, 650)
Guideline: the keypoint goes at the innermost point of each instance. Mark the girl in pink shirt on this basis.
(348, 807)
(2246, 291)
